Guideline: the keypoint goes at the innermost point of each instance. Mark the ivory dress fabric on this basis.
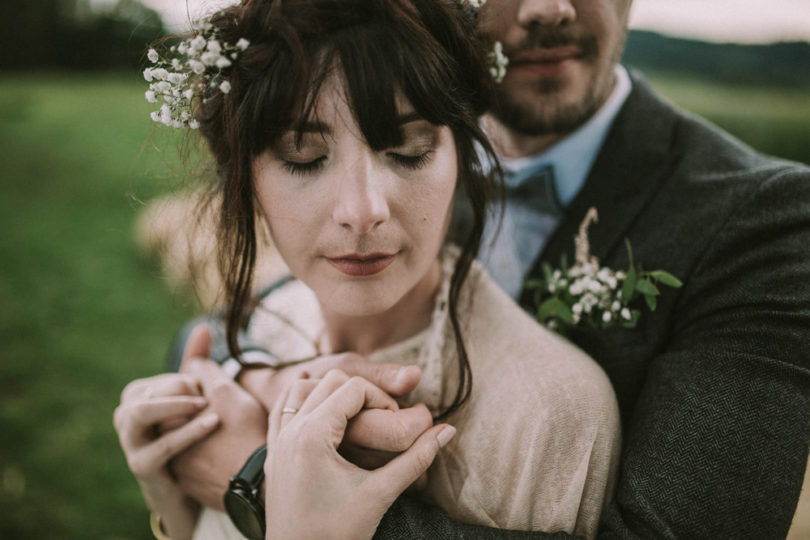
(538, 440)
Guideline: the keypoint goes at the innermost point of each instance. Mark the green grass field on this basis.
(83, 312)
(774, 121)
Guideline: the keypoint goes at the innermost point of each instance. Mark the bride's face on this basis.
(362, 228)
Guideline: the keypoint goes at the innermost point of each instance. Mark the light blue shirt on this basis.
(508, 252)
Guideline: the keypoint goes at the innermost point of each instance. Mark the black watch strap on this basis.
(242, 501)
(252, 473)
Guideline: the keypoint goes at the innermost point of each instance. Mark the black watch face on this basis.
(244, 515)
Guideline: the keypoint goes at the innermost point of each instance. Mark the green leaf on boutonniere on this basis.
(547, 272)
(629, 286)
(666, 278)
(534, 283)
(554, 307)
(629, 253)
(652, 301)
(646, 287)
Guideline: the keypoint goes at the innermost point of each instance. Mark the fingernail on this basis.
(209, 420)
(445, 435)
(403, 374)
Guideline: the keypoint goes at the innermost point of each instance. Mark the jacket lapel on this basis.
(636, 158)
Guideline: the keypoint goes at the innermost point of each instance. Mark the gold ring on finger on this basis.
(289, 410)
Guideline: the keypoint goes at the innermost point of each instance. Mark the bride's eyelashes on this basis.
(409, 161)
(304, 168)
(414, 162)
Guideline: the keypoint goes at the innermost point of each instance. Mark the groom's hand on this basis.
(204, 470)
(266, 384)
(373, 437)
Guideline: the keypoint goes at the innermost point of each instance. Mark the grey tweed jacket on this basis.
(714, 386)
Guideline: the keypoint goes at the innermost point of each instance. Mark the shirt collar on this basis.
(573, 156)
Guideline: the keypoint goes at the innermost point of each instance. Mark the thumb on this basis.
(396, 476)
(199, 343)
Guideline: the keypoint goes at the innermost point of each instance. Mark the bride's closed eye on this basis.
(420, 142)
(301, 157)
(411, 161)
(303, 168)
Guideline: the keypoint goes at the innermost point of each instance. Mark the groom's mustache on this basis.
(539, 37)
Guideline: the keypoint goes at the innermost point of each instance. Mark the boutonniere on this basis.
(592, 296)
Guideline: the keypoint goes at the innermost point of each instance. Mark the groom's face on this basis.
(562, 55)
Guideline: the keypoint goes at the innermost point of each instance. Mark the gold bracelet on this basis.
(157, 527)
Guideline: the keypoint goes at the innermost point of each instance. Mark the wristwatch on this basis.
(242, 500)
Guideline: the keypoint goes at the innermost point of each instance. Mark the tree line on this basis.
(71, 34)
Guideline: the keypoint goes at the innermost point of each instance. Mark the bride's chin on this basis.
(358, 306)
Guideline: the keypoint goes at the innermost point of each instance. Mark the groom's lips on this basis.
(546, 62)
(360, 265)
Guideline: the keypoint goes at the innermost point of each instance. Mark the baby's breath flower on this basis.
(497, 62)
(197, 64)
(197, 44)
(213, 46)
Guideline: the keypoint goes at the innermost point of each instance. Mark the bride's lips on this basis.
(545, 62)
(355, 264)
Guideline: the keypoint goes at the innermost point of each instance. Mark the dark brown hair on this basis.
(424, 49)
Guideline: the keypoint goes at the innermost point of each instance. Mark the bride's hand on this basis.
(313, 492)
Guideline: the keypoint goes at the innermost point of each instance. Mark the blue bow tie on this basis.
(534, 188)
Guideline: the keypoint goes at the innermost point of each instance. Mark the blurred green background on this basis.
(82, 312)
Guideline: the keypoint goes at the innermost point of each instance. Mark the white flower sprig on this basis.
(592, 296)
(176, 81)
(495, 58)
(498, 62)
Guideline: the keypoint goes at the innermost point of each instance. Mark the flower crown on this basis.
(196, 66)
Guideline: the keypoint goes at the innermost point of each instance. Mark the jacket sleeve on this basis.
(410, 518)
(718, 441)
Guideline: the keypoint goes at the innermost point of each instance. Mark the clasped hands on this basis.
(349, 437)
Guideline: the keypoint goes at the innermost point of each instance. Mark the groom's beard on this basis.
(554, 107)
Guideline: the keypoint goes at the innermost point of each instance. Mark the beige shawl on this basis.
(538, 441)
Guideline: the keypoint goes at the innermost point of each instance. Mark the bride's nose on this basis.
(360, 201)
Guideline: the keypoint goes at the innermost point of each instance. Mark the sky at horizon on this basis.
(743, 21)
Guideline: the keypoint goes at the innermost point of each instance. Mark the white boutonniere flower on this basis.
(589, 295)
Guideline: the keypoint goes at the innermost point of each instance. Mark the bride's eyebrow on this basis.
(293, 138)
(407, 118)
(312, 127)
